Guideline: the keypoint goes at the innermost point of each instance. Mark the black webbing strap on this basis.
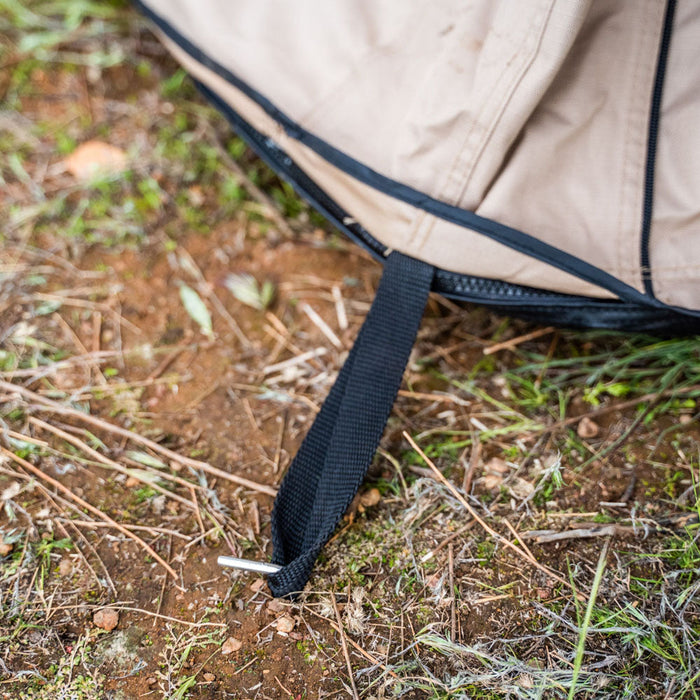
(333, 459)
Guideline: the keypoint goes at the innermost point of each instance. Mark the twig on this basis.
(97, 357)
(357, 647)
(82, 554)
(166, 362)
(453, 606)
(444, 398)
(168, 618)
(343, 643)
(340, 311)
(280, 443)
(56, 407)
(105, 461)
(165, 581)
(505, 542)
(146, 528)
(84, 352)
(84, 504)
(292, 361)
(322, 325)
(513, 342)
(81, 303)
(284, 690)
(545, 536)
(624, 404)
(474, 459)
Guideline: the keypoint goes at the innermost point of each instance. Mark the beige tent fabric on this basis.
(392, 221)
(533, 113)
(675, 231)
(576, 177)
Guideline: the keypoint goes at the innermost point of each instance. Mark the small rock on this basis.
(158, 504)
(5, 548)
(65, 568)
(106, 619)
(276, 606)
(195, 195)
(231, 645)
(491, 481)
(370, 498)
(209, 677)
(520, 488)
(285, 624)
(131, 482)
(496, 466)
(257, 585)
(587, 428)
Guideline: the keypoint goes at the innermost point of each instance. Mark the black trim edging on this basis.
(654, 119)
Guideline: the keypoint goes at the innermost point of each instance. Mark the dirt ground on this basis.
(161, 359)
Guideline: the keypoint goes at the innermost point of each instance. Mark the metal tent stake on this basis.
(248, 565)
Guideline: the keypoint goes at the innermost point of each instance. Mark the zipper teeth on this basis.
(654, 118)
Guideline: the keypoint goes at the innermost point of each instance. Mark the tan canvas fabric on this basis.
(392, 221)
(533, 113)
(675, 232)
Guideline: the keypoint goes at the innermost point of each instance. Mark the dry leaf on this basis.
(246, 289)
(196, 308)
(231, 645)
(520, 488)
(95, 158)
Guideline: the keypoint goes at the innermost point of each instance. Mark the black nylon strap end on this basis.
(338, 449)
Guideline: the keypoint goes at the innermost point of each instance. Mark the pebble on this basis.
(587, 428)
(285, 624)
(258, 584)
(370, 498)
(65, 568)
(276, 606)
(106, 619)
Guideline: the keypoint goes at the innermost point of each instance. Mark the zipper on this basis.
(654, 118)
